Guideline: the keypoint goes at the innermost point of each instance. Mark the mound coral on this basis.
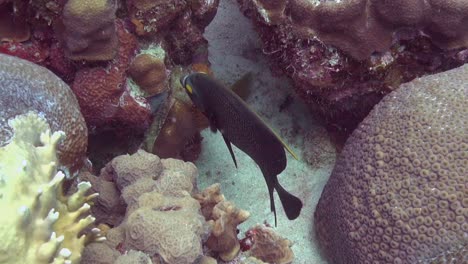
(149, 73)
(344, 56)
(398, 192)
(29, 87)
(89, 29)
(40, 224)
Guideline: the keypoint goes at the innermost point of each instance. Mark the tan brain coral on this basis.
(399, 192)
(360, 27)
(28, 87)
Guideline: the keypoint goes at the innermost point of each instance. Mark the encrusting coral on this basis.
(29, 87)
(398, 192)
(39, 224)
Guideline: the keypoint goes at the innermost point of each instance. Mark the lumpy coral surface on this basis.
(399, 193)
(344, 56)
(361, 27)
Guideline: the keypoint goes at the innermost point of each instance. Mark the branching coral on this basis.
(40, 224)
(29, 87)
(224, 217)
(398, 192)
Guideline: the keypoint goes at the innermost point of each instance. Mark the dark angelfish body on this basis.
(240, 126)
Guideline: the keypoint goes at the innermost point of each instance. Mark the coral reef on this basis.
(103, 94)
(179, 136)
(149, 73)
(13, 26)
(362, 27)
(89, 29)
(343, 73)
(224, 217)
(29, 87)
(398, 192)
(268, 246)
(40, 224)
(91, 45)
(162, 219)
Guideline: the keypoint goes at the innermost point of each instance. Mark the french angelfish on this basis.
(239, 125)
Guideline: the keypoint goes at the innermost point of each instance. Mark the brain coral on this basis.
(25, 87)
(399, 192)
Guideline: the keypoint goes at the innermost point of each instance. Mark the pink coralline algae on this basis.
(344, 57)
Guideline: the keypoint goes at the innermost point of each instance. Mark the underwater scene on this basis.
(233, 131)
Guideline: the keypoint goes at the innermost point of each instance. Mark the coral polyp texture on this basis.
(28, 87)
(344, 56)
(398, 192)
(89, 29)
(39, 224)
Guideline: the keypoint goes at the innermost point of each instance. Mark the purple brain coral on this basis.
(399, 191)
(25, 87)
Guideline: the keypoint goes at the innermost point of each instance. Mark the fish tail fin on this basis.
(291, 204)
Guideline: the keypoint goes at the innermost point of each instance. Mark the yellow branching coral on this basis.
(39, 224)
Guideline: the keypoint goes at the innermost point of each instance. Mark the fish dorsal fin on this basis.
(243, 86)
(277, 136)
(284, 144)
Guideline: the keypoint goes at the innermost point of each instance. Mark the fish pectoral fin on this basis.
(243, 86)
(212, 121)
(228, 144)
